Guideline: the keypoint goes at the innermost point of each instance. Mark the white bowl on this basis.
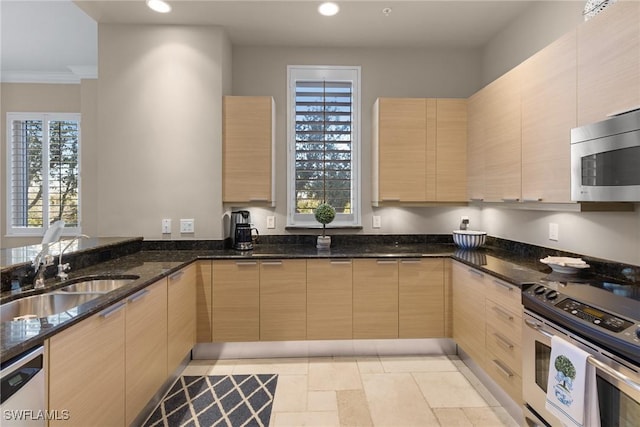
(469, 239)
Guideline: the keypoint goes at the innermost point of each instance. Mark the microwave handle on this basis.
(595, 362)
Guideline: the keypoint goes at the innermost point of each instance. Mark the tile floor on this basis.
(370, 391)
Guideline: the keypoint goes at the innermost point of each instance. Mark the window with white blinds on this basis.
(323, 131)
(43, 172)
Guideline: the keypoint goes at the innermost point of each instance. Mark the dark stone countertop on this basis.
(151, 265)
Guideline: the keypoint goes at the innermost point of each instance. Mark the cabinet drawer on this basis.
(507, 322)
(506, 378)
(504, 348)
(502, 292)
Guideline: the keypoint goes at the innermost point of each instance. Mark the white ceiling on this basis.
(59, 37)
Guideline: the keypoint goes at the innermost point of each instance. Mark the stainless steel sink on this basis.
(44, 305)
(98, 285)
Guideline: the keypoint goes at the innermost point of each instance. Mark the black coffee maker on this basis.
(241, 230)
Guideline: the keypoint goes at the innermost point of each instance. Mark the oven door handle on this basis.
(592, 360)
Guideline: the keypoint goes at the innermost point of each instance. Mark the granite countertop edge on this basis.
(152, 266)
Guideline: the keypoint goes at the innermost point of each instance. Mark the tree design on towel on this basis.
(564, 366)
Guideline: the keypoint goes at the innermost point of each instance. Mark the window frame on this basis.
(11, 230)
(334, 73)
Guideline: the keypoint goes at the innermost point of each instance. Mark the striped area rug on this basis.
(217, 400)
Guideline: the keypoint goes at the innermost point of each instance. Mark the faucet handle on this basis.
(62, 269)
(48, 260)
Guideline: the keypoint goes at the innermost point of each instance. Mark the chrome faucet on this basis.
(63, 268)
(40, 264)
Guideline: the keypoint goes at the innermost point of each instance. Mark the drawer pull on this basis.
(177, 275)
(476, 199)
(502, 313)
(411, 261)
(386, 261)
(531, 200)
(503, 285)
(112, 310)
(138, 295)
(271, 263)
(503, 342)
(505, 371)
(340, 262)
(246, 263)
(476, 272)
(510, 199)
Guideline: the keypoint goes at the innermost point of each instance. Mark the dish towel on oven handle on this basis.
(572, 395)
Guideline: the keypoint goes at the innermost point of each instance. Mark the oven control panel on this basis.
(593, 315)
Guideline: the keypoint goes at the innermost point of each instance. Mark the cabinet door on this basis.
(283, 300)
(329, 299)
(477, 120)
(87, 368)
(247, 143)
(181, 321)
(421, 298)
(451, 150)
(548, 114)
(502, 145)
(401, 139)
(375, 298)
(468, 310)
(609, 62)
(236, 301)
(204, 301)
(146, 347)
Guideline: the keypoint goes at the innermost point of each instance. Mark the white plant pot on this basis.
(323, 242)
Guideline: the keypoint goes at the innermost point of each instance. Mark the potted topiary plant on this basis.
(324, 213)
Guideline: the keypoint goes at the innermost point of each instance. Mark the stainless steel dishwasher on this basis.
(22, 399)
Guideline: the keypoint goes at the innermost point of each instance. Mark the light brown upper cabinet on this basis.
(419, 150)
(502, 149)
(548, 114)
(609, 62)
(248, 131)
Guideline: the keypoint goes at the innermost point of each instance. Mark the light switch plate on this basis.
(377, 221)
(166, 226)
(553, 231)
(186, 225)
(271, 221)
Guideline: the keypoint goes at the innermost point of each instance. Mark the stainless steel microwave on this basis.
(605, 160)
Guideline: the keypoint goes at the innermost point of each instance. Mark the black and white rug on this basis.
(217, 400)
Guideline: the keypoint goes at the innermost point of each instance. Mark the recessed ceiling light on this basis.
(159, 6)
(386, 11)
(328, 9)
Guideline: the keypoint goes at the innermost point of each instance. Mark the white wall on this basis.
(159, 109)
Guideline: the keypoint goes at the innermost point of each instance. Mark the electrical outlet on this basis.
(186, 225)
(376, 221)
(166, 226)
(271, 221)
(553, 231)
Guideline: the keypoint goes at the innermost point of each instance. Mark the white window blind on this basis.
(324, 137)
(43, 166)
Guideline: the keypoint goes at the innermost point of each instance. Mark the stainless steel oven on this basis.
(614, 348)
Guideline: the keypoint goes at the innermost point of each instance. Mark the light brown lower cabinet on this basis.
(204, 301)
(468, 310)
(329, 299)
(87, 370)
(146, 344)
(181, 315)
(421, 298)
(283, 300)
(236, 301)
(375, 298)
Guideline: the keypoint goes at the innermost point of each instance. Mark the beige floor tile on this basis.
(291, 394)
(334, 375)
(395, 400)
(353, 409)
(305, 419)
(283, 366)
(448, 390)
(487, 417)
(369, 365)
(478, 386)
(322, 401)
(417, 364)
(452, 417)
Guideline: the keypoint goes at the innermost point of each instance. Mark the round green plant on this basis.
(324, 213)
